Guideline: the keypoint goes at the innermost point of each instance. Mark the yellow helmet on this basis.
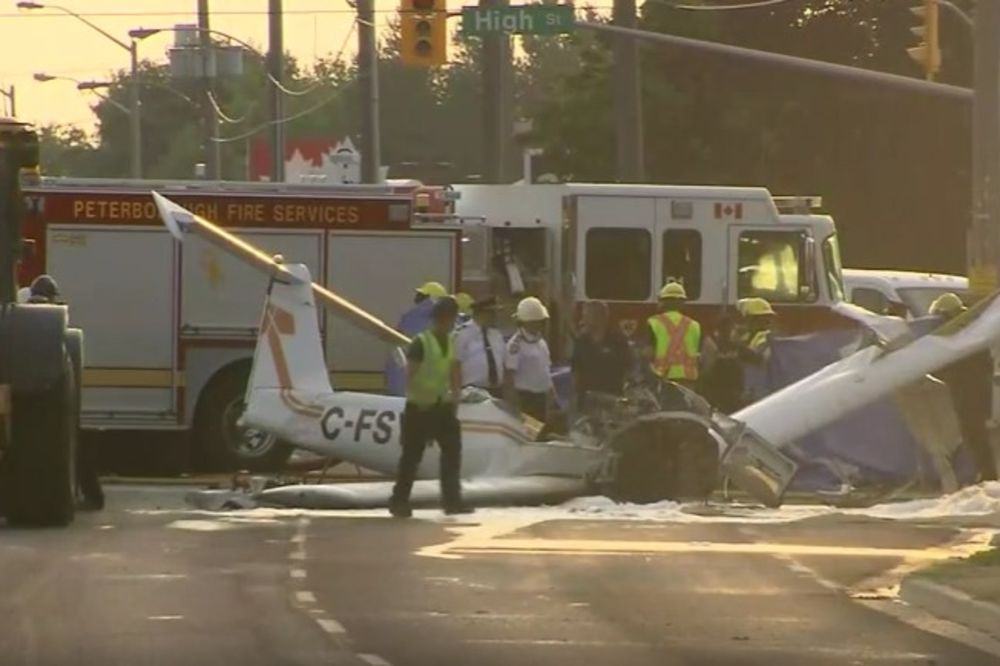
(673, 290)
(946, 305)
(754, 307)
(464, 302)
(432, 289)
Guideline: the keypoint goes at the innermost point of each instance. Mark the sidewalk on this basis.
(965, 591)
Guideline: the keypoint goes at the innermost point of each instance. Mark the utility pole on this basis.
(213, 157)
(275, 67)
(497, 117)
(627, 93)
(12, 96)
(371, 148)
(984, 234)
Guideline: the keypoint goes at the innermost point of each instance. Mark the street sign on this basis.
(518, 19)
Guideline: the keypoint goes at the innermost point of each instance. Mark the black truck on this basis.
(41, 360)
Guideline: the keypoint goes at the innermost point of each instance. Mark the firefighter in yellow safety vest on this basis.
(758, 318)
(675, 340)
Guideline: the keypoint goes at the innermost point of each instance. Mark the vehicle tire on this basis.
(41, 466)
(220, 443)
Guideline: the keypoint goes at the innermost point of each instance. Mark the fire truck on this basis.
(569, 243)
(170, 328)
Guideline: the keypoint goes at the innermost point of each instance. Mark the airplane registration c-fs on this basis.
(623, 452)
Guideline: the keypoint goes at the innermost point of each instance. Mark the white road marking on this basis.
(330, 626)
(165, 618)
(305, 597)
(373, 660)
(297, 555)
(298, 573)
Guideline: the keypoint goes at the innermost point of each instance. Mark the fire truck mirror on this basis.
(28, 248)
(809, 264)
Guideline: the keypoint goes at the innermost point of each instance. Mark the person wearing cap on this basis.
(432, 391)
(527, 377)
(480, 348)
(970, 382)
(413, 322)
(674, 340)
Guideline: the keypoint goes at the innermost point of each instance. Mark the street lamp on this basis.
(135, 124)
(92, 86)
(99, 85)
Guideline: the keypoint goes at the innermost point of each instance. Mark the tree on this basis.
(66, 151)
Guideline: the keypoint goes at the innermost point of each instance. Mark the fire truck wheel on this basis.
(221, 444)
(41, 466)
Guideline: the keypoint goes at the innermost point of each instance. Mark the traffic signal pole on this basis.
(213, 149)
(984, 235)
(371, 149)
(627, 95)
(498, 127)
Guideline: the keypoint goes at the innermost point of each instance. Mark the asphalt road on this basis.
(150, 583)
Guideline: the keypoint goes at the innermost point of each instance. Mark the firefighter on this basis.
(674, 342)
(970, 382)
(414, 321)
(528, 365)
(45, 290)
(758, 319)
(432, 390)
(464, 302)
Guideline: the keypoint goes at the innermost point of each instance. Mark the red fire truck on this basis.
(170, 328)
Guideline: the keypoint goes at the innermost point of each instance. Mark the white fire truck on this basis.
(619, 243)
(170, 328)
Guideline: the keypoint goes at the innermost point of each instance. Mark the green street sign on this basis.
(518, 19)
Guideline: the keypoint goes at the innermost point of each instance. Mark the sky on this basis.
(49, 41)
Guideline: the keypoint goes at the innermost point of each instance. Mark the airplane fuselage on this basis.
(366, 430)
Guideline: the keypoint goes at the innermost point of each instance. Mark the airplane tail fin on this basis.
(289, 353)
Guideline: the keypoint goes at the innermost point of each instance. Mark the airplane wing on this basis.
(520, 491)
(180, 222)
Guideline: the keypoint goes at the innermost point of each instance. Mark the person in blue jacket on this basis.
(414, 321)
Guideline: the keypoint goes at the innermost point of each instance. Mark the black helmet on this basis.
(44, 286)
(445, 307)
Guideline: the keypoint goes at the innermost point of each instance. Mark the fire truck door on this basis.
(379, 271)
(772, 263)
(221, 294)
(119, 284)
(615, 248)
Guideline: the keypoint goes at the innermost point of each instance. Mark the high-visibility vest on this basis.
(432, 382)
(759, 340)
(677, 340)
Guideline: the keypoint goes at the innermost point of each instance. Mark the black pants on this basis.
(421, 426)
(87, 478)
(534, 404)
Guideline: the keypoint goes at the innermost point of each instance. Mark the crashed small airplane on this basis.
(642, 448)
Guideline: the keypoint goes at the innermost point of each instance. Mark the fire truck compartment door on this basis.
(120, 289)
(379, 271)
(222, 295)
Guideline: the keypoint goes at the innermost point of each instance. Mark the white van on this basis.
(901, 293)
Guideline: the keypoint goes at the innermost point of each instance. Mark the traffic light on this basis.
(928, 52)
(424, 27)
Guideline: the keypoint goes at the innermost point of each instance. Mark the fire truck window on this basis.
(682, 260)
(769, 266)
(618, 264)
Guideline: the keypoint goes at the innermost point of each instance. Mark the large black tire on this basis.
(40, 469)
(221, 446)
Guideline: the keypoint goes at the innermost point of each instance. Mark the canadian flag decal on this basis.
(729, 210)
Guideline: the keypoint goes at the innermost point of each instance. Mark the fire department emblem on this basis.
(627, 327)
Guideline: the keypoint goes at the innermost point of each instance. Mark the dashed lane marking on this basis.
(373, 660)
(305, 597)
(331, 626)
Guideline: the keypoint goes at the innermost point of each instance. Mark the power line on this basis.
(720, 8)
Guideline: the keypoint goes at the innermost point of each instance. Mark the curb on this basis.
(951, 604)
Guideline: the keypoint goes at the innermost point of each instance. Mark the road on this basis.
(148, 582)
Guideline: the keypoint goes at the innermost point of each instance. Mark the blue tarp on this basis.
(872, 445)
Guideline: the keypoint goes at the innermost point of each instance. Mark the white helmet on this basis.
(531, 309)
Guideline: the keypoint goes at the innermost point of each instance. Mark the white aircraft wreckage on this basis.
(641, 448)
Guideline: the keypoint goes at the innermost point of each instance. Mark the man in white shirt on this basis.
(528, 377)
(480, 348)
